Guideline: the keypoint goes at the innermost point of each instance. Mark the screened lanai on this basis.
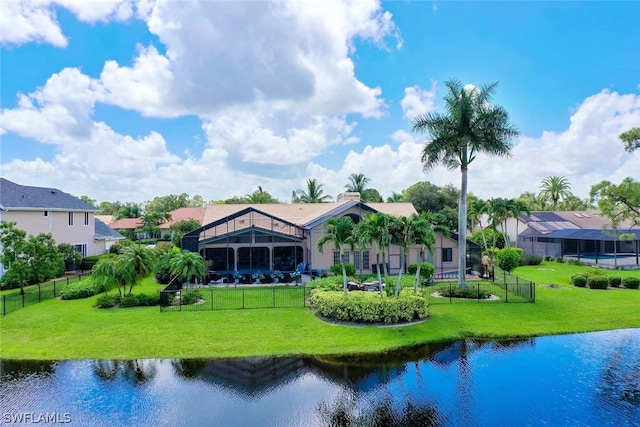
(248, 241)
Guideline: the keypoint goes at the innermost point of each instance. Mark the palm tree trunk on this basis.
(397, 290)
(344, 276)
(379, 274)
(415, 282)
(462, 229)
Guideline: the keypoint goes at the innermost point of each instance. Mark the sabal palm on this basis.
(107, 274)
(470, 126)
(339, 231)
(357, 183)
(185, 264)
(314, 193)
(555, 188)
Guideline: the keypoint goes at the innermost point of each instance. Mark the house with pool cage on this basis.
(582, 235)
(248, 239)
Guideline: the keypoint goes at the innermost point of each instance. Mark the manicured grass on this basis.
(56, 329)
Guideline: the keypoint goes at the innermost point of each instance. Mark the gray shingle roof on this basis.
(104, 232)
(16, 197)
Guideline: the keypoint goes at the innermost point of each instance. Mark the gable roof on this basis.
(21, 197)
(177, 215)
(104, 232)
(305, 214)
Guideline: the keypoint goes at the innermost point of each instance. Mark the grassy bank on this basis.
(57, 329)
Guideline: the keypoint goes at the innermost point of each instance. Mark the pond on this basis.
(590, 379)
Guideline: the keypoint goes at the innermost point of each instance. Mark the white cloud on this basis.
(29, 21)
(417, 101)
(25, 21)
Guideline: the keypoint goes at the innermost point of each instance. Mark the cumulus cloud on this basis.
(24, 21)
(418, 101)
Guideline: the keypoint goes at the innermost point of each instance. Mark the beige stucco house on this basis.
(267, 237)
(49, 210)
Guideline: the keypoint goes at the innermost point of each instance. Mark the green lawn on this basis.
(56, 329)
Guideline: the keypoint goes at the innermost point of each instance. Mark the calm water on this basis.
(590, 379)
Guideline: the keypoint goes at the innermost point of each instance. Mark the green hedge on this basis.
(598, 282)
(106, 301)
(579, 280)
(337, 269)
(83, 289)
(615, 281)
(368, 307)
(631, 282)
(140, 300)
(426, 269)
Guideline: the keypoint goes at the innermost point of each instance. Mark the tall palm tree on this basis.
(357, 183)
(470, 126)
(185, 264)
(260, 197)
(555, 188)
(517, 207)
(477, 209)
(374, 229)
(314, 193)
(340, 232)
(498, 212)
(424, 235)
(395, 198)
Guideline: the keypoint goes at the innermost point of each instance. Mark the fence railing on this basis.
(34, 294)
(174, 298)
(499, 286)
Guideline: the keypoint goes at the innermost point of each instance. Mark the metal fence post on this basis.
(211, 298)
(243, 298)
(506, 292)
(4, 305)
(274, 297)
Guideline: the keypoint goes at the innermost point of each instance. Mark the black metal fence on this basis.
(499, 286)
(34, 294)
(176, 298)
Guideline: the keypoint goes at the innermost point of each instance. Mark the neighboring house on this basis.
(49, 210)
(267, 237)
(177, 215)
(583, 235)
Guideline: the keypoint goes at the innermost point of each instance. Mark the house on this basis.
(177, 215)
(267, 237)
(48, 210)
(583, 235)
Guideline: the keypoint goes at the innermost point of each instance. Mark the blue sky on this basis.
(130, 99)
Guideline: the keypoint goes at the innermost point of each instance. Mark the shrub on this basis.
(595, 272)
(368, 307)
(106, 301)
(337, 269)
(631, 282)
(190, 296)
(530, 259)
(560, 259)
(615, 281)
(88, 262)
(508, 258)
(548, 258)
(426, 269)
(82, 289)
(163, 269)
(141, 300)
(470, 292)
(574, 262)
(598, 282)
(579, 280)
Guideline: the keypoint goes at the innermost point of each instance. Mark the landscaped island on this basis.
(56, 329)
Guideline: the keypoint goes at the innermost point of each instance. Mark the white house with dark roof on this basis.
(49, 210)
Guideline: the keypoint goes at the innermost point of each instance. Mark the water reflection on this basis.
(583, 379)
